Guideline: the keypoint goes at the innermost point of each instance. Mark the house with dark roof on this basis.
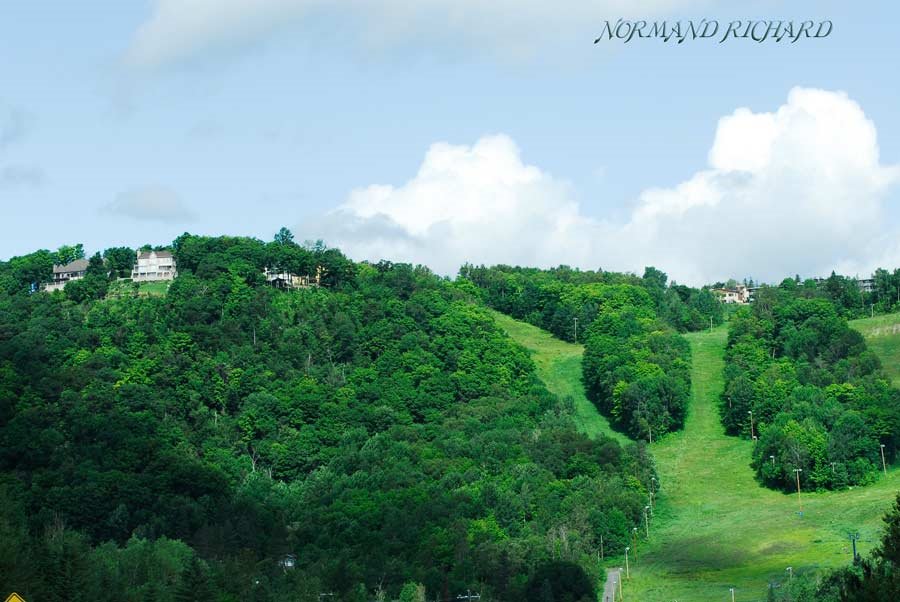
(62, 274)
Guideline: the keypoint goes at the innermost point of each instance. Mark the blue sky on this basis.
(442, 132)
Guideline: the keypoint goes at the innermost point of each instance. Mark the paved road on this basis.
(611, 590)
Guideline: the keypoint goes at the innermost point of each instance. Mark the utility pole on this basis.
(832, 468)
(790, 571)
(647, 521)
(751, 422)
(883, 463)
(732, 594)
(627, 571)
(621, 595)
(797, 472)
(634, 534)
(773, 460)
(576, 330)
(853, 538)
(602, 556)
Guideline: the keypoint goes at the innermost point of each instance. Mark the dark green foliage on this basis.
(120, 261)
(193, 586)
(380, 428)
(818, 399)
(553, 299)
(560, 582)
(637, 371)
(636, 368)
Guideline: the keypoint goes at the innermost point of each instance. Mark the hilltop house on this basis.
(285, 280)
(154, 265)
(62, 274)
(739, 294)
(866, 285)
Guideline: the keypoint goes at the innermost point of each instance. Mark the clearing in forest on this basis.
(714, 526)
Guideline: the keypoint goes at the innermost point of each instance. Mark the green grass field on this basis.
(121, 288)
(883, 337)
(714, 527)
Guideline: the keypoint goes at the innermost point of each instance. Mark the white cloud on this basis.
(180, 29)
(152, 203)
(797, 190)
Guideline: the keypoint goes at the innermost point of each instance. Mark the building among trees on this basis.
(738, 294)
(154, 265)
(74, 270)
(283, 279)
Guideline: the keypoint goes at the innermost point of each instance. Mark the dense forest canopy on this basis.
(816, 396)
(636, 366)
(376, 437)
(554, 299)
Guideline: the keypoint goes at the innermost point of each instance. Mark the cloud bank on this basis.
(797, 190)
(179, 30)
(152, 203)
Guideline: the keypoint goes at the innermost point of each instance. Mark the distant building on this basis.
(285, 280)
(739, 294)
(288, 561)
(154, 265)
(65, 273)
(866, 285)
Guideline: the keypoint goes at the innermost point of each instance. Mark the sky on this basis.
(449, 131)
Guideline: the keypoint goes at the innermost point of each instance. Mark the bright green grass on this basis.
(883, 337)
(121, 288)
(717, 528)
(714, 526)
(558, 364)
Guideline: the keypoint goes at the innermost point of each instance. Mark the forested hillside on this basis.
(374, 437)
(817, 398)
(636, 366)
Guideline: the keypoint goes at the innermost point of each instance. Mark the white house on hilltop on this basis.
(154, 265)
(739, 294)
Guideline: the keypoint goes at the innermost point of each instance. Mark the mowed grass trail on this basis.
(714, 527)
(882, 335)
(558, 364)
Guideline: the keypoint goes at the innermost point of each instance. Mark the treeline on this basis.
(849, 298)
(377, 438)
(873, 579)
(818, 398)
(554, 299)
(209, 258)
(636, 366)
